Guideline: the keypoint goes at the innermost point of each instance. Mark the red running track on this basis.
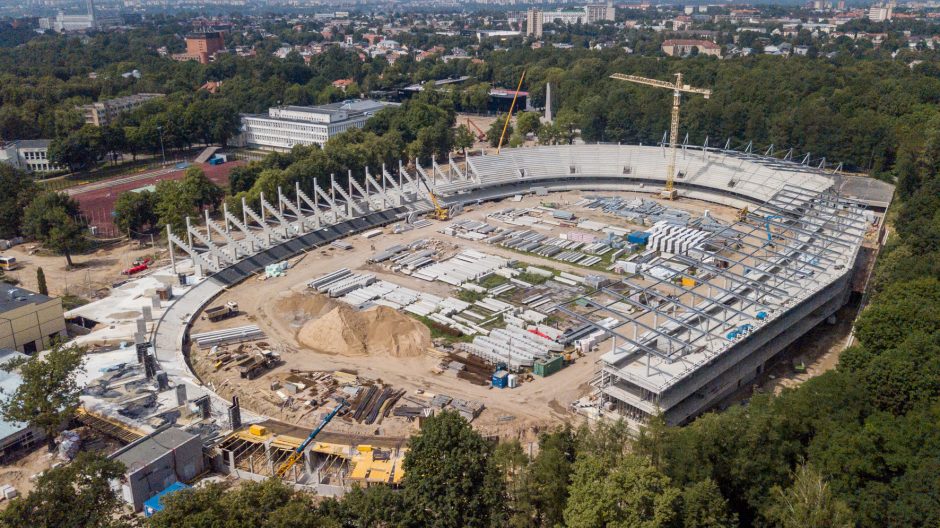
(97, 203)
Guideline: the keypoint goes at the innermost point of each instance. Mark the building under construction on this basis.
(701, 320)
(696, 318)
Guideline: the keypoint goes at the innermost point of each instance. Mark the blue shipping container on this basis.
(500, 379)
(638, 237)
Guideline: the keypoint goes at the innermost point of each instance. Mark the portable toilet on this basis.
(500, 379)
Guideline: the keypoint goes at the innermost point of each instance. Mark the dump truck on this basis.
(217, 313)
(255, 365)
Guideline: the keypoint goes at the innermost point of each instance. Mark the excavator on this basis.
(299, 452)
(481, 135)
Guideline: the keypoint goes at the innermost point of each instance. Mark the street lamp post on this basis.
(162, 151)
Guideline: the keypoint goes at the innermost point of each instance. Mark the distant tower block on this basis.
(90, 5)
(548, 102)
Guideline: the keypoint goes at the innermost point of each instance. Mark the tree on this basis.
(135, 211)
(463, 138)
(55, 220)
(18, 191)
(48, 395)
(495, 132)
(175, 200)
(76, 495)
(372, 506)
(631, 493)
(267, 504)
(113, 141)
(808, 502)
(902, 308)
(544, 494)
(475, 97)
(529, 123)
(703, 506)
(79, 149)
(567, 123)
(241, 178)
(41, 281)
(200, 190)
(449, 480)
(172, 206)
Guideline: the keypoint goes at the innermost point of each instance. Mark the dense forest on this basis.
(859, 111)
(856, 446)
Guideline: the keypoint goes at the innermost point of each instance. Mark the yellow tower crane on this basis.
(669, 192)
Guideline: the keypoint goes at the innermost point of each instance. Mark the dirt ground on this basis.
(92, 274)
(273, 305)
(18, 473)
(21, 473)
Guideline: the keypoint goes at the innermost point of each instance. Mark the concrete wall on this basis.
(181, 464)
(748, 359)
(32, 323)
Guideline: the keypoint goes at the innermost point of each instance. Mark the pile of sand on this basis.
(379, 331)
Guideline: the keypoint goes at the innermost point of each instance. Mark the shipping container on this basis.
(547, 367)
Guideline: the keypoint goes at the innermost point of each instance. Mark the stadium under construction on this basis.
(683, 321)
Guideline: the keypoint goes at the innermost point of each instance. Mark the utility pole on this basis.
(669, 192)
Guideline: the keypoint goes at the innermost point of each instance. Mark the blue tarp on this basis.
(638, 237)
(155, 503)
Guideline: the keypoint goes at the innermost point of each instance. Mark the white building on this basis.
(880, 13)
(533, 26)
(29, 155)
(63, 23)
(286, 126)
(103, 113)
(589, 14)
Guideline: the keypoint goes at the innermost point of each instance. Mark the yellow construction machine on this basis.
(299, 452)
(440, 212)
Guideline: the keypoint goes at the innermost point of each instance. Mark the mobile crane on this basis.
(299, 452)
(669, 192)
(440, 212)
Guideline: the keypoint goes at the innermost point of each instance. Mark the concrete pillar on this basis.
(147, 313)
(155, 302)
(181, 395)
(141, 326)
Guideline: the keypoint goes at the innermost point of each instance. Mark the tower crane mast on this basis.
(677, 89)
